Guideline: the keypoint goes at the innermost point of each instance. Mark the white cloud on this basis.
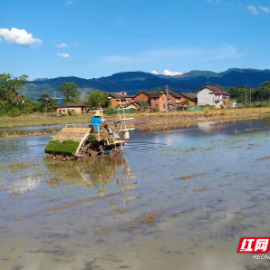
(265, 9)
(64, 55)
(167, 72)
(253, 10)
(19, 37)
(171, 73)
(76, 43)
(62, 45)
(69, 2)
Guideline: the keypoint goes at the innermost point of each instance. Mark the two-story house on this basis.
(120, 98)
(156, 99)
(213, 96)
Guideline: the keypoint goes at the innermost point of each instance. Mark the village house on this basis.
(174, 99)
(181, 99)
(213, 96)
(120, 98)
(156, 99)
(135, 105)
(189, 99)
(153, 99)
(78, 108)
(142, 105)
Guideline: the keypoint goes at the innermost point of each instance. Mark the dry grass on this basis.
(206, 114)
(152, 118)
(42, 120)
(210, 112)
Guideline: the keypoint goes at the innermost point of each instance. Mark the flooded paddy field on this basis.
(175, 199)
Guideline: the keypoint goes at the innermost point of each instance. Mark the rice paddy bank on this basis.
(42, 120)
(199, 116)
(19, 134)
(141, 118)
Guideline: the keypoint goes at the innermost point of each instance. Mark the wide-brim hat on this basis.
(97, 114)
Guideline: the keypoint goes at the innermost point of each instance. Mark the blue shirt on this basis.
(95, 121)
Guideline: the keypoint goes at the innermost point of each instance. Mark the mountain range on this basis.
(132, 82)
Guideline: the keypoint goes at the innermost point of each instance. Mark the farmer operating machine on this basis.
(77, 141)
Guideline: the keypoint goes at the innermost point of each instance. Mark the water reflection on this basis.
(126, 185)
(23, 185)
(22, 149)
(209, 126)
(96, 173)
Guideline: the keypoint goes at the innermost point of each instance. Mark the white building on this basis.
(213, 96)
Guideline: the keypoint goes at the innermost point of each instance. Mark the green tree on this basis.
(97, 98)
(48, 102)
(263, 91)
(10, 85)
(70, 91)
(31, 106)
(242, 94)
(11, 103)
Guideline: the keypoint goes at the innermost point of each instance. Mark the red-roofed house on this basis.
(213, 96)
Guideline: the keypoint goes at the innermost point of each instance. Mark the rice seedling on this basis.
(239, 219)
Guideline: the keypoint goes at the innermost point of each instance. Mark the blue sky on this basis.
(95, 38)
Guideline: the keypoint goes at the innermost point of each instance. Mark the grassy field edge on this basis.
(146, 118)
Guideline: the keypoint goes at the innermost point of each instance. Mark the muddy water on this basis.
(176, 199)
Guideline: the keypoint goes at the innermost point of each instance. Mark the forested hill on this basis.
(133, 82)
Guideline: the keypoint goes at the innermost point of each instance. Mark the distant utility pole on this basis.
(167, 98)
(250, 97)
